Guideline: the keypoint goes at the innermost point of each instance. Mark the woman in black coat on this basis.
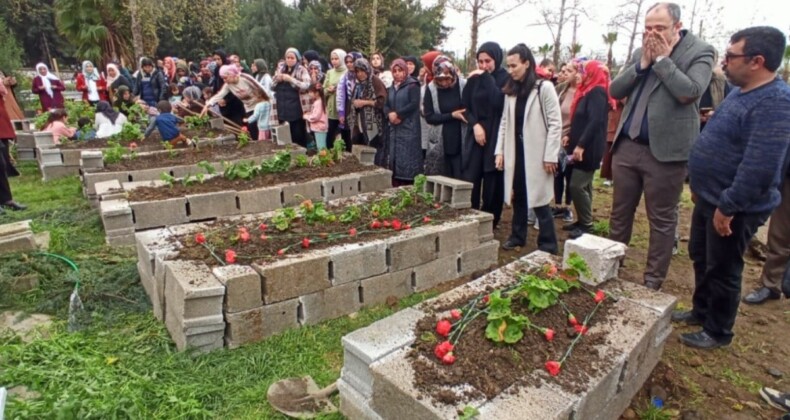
(589, 118)
(402, 111)
(483, 100)
(442, 106)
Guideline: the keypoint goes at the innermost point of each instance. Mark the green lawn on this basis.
(122, 363)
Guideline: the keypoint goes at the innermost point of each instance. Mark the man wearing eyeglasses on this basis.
(663, 83)
(737, 168)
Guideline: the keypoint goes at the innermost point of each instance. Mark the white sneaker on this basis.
(607, 183)
(536, 225)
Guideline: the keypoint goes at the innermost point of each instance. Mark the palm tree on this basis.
(95, 28)
(545, 50)
(574, 49)
(609, 39)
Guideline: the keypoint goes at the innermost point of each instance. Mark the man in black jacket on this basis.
(150, 84)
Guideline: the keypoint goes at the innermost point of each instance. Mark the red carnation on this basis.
(132, 145)
(245, 129)
(230, 256)
(262, 226)
(396, 224)
(200, 238)
(553, 367)
(437, 205)
(443, 327)
(406, 227)
(442, 349)
(375, 224)
(455, 314)
(552, 270)
(426, 219)
(386, 224)
(572, 320)
(599, 296)
(306, 243)
(244, 236)
(581, 329)
(264, 237)
(352, 232)
(448, 359)
(281, 252)
(485, 299)
(549, 333)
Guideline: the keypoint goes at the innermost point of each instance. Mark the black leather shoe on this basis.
(13, 205)
(571, 227)
(511, 244)
(702, 340)
(653, 285)
(579, 231)
(759, 296)
(686, 317)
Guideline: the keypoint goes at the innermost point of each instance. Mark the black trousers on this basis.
(252, 127)
(547, 236)
(332, 132)
(493, 194)
(718, 266)
(5, 188)
(562, 184)
(452, 166)
(298, 131)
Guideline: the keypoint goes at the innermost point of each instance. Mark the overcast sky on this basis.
(515, 26)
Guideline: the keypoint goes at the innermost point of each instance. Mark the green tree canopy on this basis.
(10, 51)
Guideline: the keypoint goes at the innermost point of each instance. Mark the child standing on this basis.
(261, 116)
(167, 124)
(317, 118)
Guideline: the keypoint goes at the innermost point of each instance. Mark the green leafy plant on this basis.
(114, 153)
(301, 161)
(324, 158)
(419, 188)
(167, 179)
(283, 218)
(171, 150)
(196, 121)
(405, 199)
(313, 213)
(281, 162)
(352, 214)
(243, 138)
(503, 324)
(135, 114)
(207, 166)
(577, 266)
(41, 120)
(79, 109)
(337, 150)
(240, 170)
(129, 132)
(469, 413)
(542, 293)
(382, 209)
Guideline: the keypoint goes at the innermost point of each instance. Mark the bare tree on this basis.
(482, 12)
(705, 21)
(137, 31)
(554, 17)
(628, 19)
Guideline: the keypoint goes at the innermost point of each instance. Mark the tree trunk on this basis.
(558, 39)
(475, 29)
(609, 57)
(137, 32)
(373, 23)
(632, 40)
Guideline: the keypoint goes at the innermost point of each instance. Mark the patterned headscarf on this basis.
(443, 67)
(315, 64)
(363, 64)
(94, 75)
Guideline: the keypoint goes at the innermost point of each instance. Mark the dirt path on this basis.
(719, 384)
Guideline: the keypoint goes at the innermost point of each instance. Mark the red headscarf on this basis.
(595, 74)
(427, 60)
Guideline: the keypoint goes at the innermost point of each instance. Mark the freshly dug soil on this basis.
(153, 142)
(346, 166)
(189, 155)
(223, 235)
(491, 368)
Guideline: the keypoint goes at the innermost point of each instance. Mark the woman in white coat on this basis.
(527, 148)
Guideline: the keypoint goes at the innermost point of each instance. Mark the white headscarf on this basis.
(94, 75)
(46, 79)
(341, 55)
(110, 79)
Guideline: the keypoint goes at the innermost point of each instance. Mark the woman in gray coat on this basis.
(402, 110)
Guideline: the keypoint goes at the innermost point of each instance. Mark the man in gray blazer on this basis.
(663, 83)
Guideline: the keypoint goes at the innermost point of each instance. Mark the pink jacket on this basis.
(319, 123)
(59, 129)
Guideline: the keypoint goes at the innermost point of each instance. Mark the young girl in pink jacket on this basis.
(319, 123)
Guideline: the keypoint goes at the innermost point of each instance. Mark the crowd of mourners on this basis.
(528, 135)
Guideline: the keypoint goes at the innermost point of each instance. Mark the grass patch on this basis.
(740, 381)
(654, 413)
(601, 228)
(122, 363)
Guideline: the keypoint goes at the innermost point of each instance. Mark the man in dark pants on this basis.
(663, 84)
(736, 169)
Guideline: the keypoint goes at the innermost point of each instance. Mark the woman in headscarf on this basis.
(242, 86)
(115, 80)
(311, 55)
(316, 73)
(483, 100)
(344, 90)
(11, 105)
(443, 107)
(377, 62)
(191, 102)
(402, 110)
(260, 71)
(107, 120)
(230, 106)
(7, 169)
(292, 100)
(331, 79)
(527, 148)
(123, 99)
(366, 116)
(169, 69)
(183, 80)
(48, 87)
(431, 134)
(589, 113)
(413, 65)
(562, 179)
(92, 84)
